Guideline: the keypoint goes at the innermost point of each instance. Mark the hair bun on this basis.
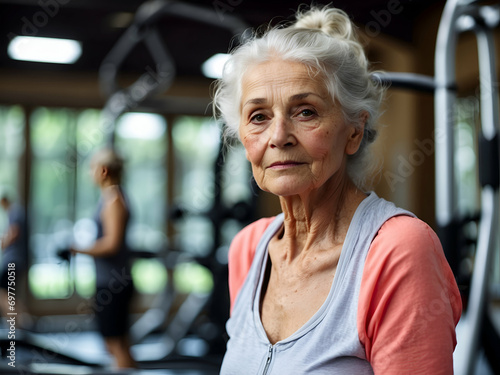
(331, 21)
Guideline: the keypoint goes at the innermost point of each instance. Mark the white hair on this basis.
(323, 39)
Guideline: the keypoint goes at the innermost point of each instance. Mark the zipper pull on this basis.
(269, 357)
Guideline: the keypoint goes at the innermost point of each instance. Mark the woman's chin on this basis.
(286, 190)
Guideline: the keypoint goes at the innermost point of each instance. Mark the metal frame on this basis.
(461, 16)
(143, 30)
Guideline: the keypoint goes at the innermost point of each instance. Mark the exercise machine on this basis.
(477, 329)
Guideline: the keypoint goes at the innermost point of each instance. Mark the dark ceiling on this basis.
(98, 24)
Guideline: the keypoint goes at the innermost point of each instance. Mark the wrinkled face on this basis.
(294, 134)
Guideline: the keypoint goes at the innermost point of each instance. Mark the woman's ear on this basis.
(356, 135)
(104, 171)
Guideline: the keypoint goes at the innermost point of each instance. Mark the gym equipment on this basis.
(143, 30)
(142, 93)
(458, 17)
(476, 329)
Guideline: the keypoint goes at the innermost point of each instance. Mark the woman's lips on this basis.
(284, 164)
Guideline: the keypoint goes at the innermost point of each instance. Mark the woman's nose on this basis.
(281, 133)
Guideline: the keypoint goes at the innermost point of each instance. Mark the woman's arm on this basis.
(114, 219)
(11, 236)
(409, 302)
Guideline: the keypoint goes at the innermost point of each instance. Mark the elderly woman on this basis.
(342, 282)
(114, 285)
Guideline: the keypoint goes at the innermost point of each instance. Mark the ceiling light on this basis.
(139, 125)
(212, 68)
(49, 50)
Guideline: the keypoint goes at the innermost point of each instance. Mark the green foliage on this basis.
(149, 276)
(193, 278)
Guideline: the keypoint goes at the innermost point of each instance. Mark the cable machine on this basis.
(458, 17)
(476, 329)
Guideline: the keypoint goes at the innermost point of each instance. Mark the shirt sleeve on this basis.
(241, 254)
(409, 303)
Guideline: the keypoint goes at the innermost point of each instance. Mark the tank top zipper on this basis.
(269, 358)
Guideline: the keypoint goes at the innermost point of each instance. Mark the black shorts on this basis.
(112, 310)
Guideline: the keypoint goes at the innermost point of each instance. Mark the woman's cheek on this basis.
(254, 147)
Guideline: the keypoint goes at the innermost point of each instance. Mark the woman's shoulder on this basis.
(254, 231)
(407, 230)
(405, 241)
(247, 239)
(114, 200)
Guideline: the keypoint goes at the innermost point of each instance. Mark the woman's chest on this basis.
(292, 295)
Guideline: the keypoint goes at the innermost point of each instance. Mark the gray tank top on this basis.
(109, 268)
(329, 342)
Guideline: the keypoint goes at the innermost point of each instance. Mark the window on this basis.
(141, 138)
(64, 198)
(200, 173)
(466, 162)
(196, 145)
(61, 195)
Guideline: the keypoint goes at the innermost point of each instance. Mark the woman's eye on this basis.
(306, 113)
(258, 118)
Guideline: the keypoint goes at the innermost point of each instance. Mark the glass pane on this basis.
(141, 140)
(50, 196)
(89, 138)
(196, 143)
(11, 132)
(52, 200)
(50, 131)
(146, 189)
(89, 133)
(236, 176)
(49, 280)
(466, 161)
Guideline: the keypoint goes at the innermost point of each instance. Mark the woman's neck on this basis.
(106, 184)
(319, 218)
(108, 189)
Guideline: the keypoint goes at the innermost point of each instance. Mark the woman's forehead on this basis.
(265, 78)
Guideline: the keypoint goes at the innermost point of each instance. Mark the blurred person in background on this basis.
(114, 286)
(14, 245)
